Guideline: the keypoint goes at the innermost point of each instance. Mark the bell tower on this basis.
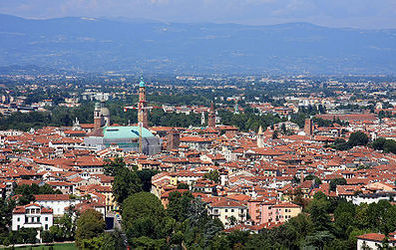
(260, 137)
(97, 116)
(212, 116)
(142, 110)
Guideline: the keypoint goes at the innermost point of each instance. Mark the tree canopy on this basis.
(89, 225)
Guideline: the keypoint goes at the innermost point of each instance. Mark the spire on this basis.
(260, 137)
(203, 118)
(260, 131)
(236, 107)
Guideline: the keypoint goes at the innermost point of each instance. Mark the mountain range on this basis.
(134, 45)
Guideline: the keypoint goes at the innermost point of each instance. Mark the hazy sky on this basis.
(340, 13)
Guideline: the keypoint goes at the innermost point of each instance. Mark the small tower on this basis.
(203, 118)
(76, 125)
(173, 140)
(260, 137)
(212, 116)
(308, 127)
(236, 107)
(97, 117)
(142, 110)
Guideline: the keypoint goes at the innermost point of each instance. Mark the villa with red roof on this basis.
(32, 216)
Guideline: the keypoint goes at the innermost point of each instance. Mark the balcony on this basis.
(32, 225)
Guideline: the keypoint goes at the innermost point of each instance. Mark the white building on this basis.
(56, 202)
(372, 198)
(374, 241)
(228, 211)
(32, 216)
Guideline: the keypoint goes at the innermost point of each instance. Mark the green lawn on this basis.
(64, 246)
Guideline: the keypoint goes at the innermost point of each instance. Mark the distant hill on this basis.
(89, 44)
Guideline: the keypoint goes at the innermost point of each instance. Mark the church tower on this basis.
(260, 138)
(142, 109)
(203, 118)
(236, 107)
(308, 127)
(212, 117)
(173, 139)
(97, 117)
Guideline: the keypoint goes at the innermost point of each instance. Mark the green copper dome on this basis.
(122, 132)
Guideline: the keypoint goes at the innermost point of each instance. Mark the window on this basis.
(18, 219)
(46, 218)
(232, 210)
(46, 226)
(226, 210)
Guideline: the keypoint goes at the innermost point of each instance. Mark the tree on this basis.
(358, 139)
(200, 229)
(299, 226)
(182, 185)
(63, 228)
(126, 182)
(319, 239)
(179, 205)
(318, 209)
(145, 176)
(232, 220)
(47, 236)
(27, 192)
(335, 182)
(275, 134)
(388, 146)
(342, 217)
(89, 225)
(382, 216)
(111, 168)
(221, 241)
(6, 207)
(283, 128)
(22, 236)
(238, 238)
(105, 241)
(148, 243)
(213, 176)
(143, 215)
(378, 144)
(113, 240)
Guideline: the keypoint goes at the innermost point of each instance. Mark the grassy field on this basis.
(64, 246)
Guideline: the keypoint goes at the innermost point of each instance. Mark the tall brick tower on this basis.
(142, 110)
(308, 127)
(173, 139)
(97, 117)
(212, 116)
